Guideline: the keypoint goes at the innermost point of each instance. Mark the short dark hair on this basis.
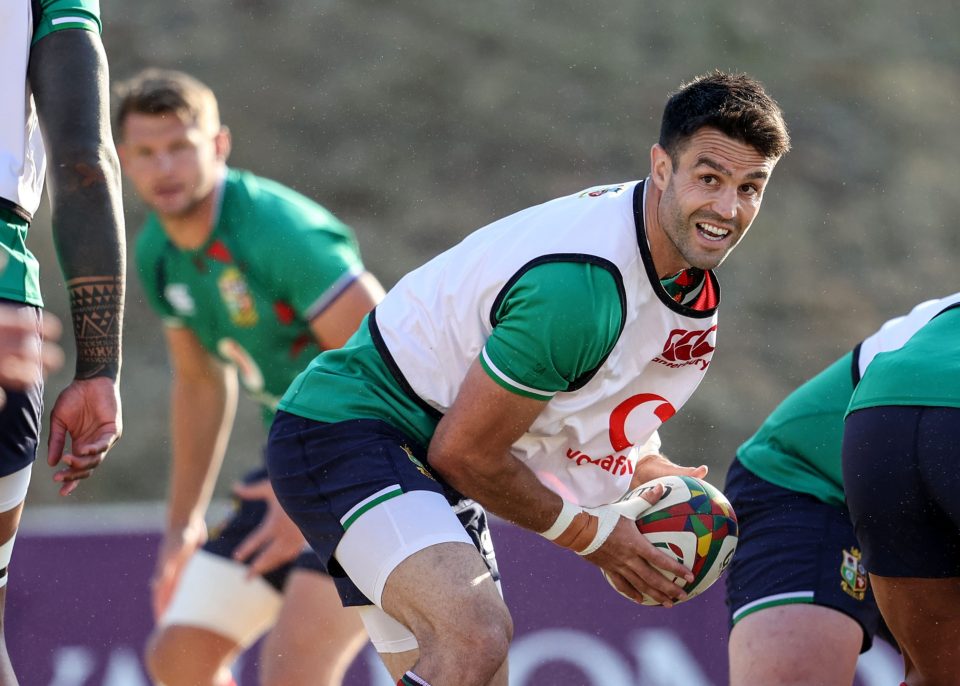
(735, 104)
(160, 91)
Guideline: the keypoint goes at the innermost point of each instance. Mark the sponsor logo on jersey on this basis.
(235, 295)
(597, 192)
(617, 463)
(853, 576)
(178, 295)
(684, 348)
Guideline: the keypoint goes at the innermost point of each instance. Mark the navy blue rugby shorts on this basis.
(20, 416)
(794, 548)
(901, 471)
(246, 516)
(321, 471)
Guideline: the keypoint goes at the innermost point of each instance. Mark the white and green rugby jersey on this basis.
(923, 370)
(22, 156)
(798, 445)
(559, 302)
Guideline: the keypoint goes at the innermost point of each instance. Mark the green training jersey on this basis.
(798, 446)
(925, 371)
(532, 343)
(274, 261)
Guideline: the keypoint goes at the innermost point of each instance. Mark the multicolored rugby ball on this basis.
(693, 521)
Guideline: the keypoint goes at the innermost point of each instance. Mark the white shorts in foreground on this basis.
(380, 540)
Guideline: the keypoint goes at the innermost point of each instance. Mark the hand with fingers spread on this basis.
(88, 410)
(612, 542)
(176, 549)
(276, 541)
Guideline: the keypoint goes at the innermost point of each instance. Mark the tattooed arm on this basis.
(68, 76)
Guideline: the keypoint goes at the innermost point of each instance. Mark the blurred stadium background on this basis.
(419, 121)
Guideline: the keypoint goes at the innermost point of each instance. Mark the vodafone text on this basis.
(618, 465)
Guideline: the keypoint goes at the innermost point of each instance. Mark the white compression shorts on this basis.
(13, 491)
(214, 593)
(13, 488)
(380, 540)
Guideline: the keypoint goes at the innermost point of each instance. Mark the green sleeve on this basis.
(311, 257)
(557, 322)
(57, 15)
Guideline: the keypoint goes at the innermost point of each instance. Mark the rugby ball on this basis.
(693, 522)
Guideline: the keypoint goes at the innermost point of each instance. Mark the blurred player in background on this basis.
(901, 452)
(56, 105)
(526, 369)
(250, 279)
(797, 586)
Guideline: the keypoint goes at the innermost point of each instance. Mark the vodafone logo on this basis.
(684, 348)
(618, 418)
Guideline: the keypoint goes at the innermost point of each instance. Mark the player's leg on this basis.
(216, 611)
(411, 556)
(302, 651)
(19, 437)
(13, 490)
(372, 509)
(795, 588)
(924, 615)
(902, 486)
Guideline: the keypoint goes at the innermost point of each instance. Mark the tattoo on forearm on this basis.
(96, 303)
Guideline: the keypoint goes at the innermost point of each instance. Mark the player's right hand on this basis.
(630, 560)
(177, 547)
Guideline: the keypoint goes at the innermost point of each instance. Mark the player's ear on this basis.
(661, 166)
(223, 143)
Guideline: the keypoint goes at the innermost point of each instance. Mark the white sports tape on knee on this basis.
(6, 552)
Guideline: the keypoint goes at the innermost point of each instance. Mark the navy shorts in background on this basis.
(794, 548)
(901, 472)
(20, 416)
(246, 516)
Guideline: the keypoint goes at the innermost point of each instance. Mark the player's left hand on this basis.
(276, 541)
(655, 465)
(89, 411)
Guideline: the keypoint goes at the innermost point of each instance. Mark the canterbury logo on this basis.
(687, 347)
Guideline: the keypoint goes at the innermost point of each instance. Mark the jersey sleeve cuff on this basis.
(509, 384)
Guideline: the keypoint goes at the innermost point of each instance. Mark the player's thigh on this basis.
(444, 592)
(795, 550)
(794, 645)
(924, 617)
(313, 629)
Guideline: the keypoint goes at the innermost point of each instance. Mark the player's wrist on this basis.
(582, 530)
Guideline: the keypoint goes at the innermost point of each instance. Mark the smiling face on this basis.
(173, 164)
(707, 201)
